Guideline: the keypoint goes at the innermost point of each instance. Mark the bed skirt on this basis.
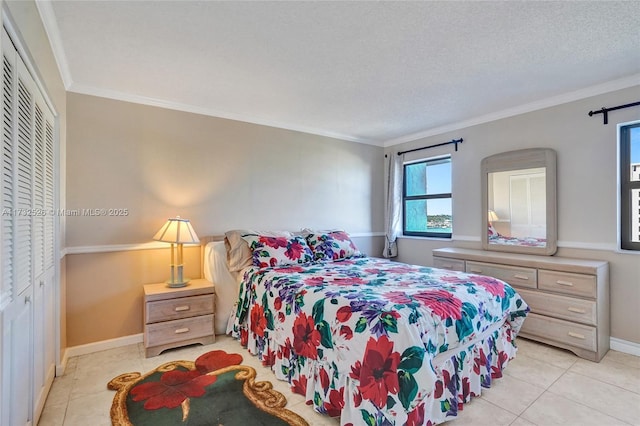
(456, 376)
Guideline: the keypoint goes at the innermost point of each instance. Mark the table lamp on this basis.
(177, 231)
(492, 216)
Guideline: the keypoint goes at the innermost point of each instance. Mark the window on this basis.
(629, 160)
(426, 198)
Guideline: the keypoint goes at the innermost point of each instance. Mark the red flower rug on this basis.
(213, 390)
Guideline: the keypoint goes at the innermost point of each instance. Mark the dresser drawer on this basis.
(183, 307)
(450, 264)
(178, 330)
(567, 283)
(581, 336)
(514, 275)
(564, 307)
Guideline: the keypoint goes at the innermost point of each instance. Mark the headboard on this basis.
(203, 242)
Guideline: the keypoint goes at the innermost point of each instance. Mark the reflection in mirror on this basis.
(519, 201)
(517, 207)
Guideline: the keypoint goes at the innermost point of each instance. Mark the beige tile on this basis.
(108, 356)
(52, 415)
(606, 398)
(611, 372)
(502, 393)
(60, 390)
(70, 367)
(622, 358)
(93, 378)
(482, 413)
(521, 422)
(534, 371)
(313, 417)
(552, 409)
(554, 356)
(91, 410)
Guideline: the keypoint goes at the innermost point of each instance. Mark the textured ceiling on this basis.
(375, 72)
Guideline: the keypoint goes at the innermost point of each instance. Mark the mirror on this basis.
(519, 201)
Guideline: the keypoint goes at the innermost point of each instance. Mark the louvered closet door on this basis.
(24, 180)
(17, 193)
(8, 130)
(43, 232)
(27, 251)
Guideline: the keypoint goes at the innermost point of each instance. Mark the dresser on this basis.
(569, 298)
(176, 317)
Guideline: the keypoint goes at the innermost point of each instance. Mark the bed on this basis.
(371, 340)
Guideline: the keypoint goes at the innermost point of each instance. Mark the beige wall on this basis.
(221, 174)
(26, 18)
(586, 189)
(105, 294)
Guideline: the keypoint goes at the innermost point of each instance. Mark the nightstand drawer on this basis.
(183, 307)
(581, 336)
(572, 309)
(514, 275)
(450, 264)
(567, 283)
(178, 330)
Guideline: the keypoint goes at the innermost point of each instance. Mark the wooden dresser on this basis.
(178, 316)
(569, 298)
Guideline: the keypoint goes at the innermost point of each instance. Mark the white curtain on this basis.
(392, 225)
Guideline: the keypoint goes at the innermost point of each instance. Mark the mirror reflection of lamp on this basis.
(177, 231)
(492, 216)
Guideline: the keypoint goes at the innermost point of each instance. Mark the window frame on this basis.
(625, 186)
(405, 198)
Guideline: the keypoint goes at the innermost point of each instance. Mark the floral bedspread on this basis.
(360, 337)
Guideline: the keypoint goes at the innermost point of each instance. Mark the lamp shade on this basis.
(177, 230)
(492, 216)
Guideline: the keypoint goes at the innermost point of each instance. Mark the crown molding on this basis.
(598, 89)
(48, 17)
(161, 103)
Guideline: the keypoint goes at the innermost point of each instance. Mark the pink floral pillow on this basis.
(332, 245)
(276, 251)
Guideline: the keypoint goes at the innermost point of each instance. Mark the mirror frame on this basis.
(516, 160)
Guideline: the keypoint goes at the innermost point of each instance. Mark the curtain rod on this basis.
(454, 141)
(605, 111)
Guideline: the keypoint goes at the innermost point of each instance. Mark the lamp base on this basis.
(178, 284)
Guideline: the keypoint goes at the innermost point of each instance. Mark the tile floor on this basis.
(542, 386)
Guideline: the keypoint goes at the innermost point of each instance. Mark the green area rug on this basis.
(213, 390)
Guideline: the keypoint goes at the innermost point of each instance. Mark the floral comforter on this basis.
(379, 342)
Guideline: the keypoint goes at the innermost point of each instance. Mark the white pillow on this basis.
(217, 271)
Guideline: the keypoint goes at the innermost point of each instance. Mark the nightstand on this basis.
(176, 317)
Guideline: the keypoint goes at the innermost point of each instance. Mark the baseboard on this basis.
(60, 368)
(625, 346)
(103, 345)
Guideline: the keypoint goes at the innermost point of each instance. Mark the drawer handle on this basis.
(520, 277)
(182, 330)
(576, 335)
(576, 310)
(567, 283)
(182, 308)
(476, 271)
